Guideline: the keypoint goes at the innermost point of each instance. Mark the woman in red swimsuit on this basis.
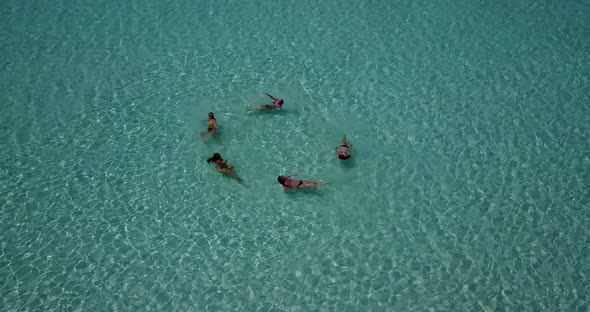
(278, 103)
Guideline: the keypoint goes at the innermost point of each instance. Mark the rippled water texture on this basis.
(468, 190)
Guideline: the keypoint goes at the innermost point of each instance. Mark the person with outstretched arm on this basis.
(278, 103)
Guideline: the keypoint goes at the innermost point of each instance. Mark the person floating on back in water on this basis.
(211, 128)
(278, 103)
(344, 151)
(290, 185)
(222, 166)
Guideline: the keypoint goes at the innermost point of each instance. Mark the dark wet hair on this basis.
(281, 180)
(211, 115)
(344, 157)
(216, 157)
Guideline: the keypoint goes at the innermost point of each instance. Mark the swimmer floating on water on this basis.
(290, 185)
(211, 128)
(344, 151)
(278, 103)
(222, 166)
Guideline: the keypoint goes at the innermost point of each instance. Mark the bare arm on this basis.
(288, 190)
(236, 176)
(270, 96)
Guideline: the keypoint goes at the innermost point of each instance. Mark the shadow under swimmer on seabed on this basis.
(349, 163)
(270, 112)
(308, 192)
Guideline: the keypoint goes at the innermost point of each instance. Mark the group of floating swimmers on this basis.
(343, 151)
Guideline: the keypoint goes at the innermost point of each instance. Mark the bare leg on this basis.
(260, 108)
(314, 184)
(315, 188)
(344, 141)
(214, 135)
(233, 174)
(265, 107)
(229, 170)
(202, 135)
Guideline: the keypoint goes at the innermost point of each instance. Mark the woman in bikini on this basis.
(344, 151)
(290, 185)
(211, 127)
(222, 166)
(278, 103)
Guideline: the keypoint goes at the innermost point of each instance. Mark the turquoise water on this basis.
(468, 191)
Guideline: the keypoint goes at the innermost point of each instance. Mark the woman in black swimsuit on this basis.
(290, 185)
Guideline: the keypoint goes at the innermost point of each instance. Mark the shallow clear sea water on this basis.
(468, 190)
